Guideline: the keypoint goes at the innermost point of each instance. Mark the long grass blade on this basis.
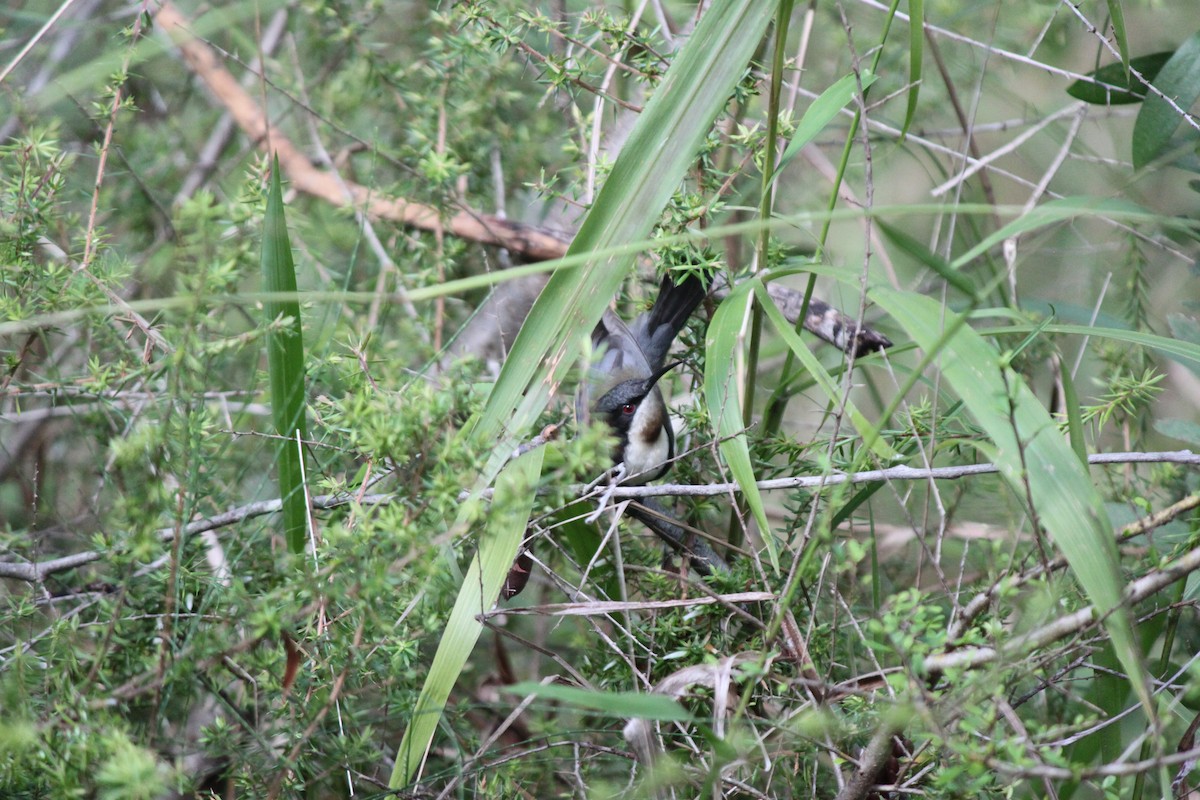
(723, 379)
(1033, 458)
(660, 149)
(511, 504)
(285, 362)
(916, 56)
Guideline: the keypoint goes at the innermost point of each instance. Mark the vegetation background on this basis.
(194, 606)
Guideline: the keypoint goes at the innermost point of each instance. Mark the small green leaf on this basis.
(622, 705)
(1113, 85)
(285, 363)
(916, 250)
(1179, 79)
(820, 114)
(1181, 429)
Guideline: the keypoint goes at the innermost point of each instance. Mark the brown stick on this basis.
(534, 244)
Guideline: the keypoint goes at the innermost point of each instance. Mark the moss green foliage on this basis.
(185, 651)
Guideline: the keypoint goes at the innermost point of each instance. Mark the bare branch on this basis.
(901, 473)
(35, 571)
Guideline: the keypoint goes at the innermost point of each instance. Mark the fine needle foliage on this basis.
(305, 507)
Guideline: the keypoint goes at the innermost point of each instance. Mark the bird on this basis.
(622, 388)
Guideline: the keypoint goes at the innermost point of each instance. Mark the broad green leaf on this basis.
(1187, 331)
(499, 542)
(821, 376)
(1181, 429)
(820, 114)
(285, 363)
(609, 704)
(1185, 328)
(724, 374)
(1179, 79)
(1113, 85)
(1032, 457)
(585, 542)
(916, 52)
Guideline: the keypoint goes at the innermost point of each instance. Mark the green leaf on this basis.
(1113, 85)
(1117, 15)
(608, 704)
(723, 389)
(1032, 457)
(1179, 79)
(1181, 429)
(1187, 330)
(585, 542)
(1074, 416)
(511, 504)
(285, 363)
(923, 255)
(820, 114)
(916, 52)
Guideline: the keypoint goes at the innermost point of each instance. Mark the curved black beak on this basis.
(657, 376)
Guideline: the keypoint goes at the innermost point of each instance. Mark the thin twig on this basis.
(1135, 592)
(36, 571)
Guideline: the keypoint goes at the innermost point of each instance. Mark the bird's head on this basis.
(635, 411)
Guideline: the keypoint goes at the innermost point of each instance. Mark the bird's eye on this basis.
(629, 408)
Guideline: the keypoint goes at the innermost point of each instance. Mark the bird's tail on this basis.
(657, 329)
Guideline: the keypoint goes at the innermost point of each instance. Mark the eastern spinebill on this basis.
(622, 387)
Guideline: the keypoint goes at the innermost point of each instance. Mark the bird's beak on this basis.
(654, 379)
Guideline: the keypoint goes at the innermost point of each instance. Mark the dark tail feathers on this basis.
(656, 329)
